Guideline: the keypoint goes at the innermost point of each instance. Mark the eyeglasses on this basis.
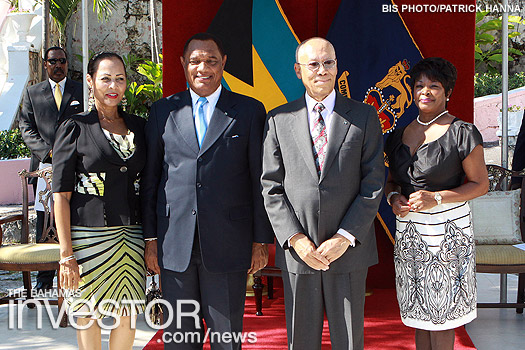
(54, 61)
(314, 65)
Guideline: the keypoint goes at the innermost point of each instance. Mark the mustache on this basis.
(58, 70)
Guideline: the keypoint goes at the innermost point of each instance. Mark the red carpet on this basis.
(383, 326)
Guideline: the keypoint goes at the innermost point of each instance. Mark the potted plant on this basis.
(22, 19)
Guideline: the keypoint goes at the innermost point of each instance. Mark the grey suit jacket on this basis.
(348, 193)
(216, 188)
(40, 117)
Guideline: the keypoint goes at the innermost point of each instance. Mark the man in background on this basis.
(45, 105)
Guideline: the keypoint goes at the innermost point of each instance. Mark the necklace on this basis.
(433, 120)
(109, 120)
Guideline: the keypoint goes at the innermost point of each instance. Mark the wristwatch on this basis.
(437, 197)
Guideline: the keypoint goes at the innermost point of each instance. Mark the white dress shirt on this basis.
(209, 107)
(327, 113)
(61, 84)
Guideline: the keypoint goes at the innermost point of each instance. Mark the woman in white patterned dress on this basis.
(434, 256)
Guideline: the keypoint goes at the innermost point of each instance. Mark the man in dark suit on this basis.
(322, 180)
(202, 207)
(45, 106)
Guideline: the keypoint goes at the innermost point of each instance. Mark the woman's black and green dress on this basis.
(102, 171)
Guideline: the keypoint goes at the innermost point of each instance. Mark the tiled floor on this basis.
(497, 329)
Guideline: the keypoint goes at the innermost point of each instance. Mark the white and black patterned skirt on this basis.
(435, 265)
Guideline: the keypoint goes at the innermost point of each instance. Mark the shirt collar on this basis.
(328, 102)
(61, 83)
(212, 99)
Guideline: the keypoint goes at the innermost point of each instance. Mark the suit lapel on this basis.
(100, 140)
(340, 124)
(66, 97)
(182, 117)
(222, 117)
(49, 97)
(302, 136)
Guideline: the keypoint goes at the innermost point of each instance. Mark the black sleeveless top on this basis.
(436, 165)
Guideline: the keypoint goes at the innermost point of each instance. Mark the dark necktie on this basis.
(319, 138)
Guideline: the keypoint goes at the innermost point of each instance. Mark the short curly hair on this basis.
(435, 68)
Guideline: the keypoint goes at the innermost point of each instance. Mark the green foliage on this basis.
(131, 61)
(12, 146)
(487, 51)
(488, 84)
(61, 10)
(80, 58)
(103, 8)
(141, 97)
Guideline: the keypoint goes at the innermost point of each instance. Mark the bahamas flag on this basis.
(374, 53)
(260, 45)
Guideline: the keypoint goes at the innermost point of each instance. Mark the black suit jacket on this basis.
(40, 117)
(215, 188)
(82, 148)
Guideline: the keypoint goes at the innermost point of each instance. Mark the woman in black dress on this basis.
(429, 160)
(97, 160)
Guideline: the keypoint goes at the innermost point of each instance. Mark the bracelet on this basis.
(150, 239)
(66, 259)
(389, 196)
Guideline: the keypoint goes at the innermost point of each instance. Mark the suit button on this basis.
(200, 160)
(123, 169)
(193, 212)
(199, 185)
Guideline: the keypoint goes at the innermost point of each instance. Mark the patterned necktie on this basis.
(58, 96)
(319, 138)
(200, 120)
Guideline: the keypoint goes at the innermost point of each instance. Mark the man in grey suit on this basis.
(45, 106)
(322, 180)
(202, 209)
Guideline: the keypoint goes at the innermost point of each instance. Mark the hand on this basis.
(308, 253)
(69, 275)
(421, 200)
(150, 256)
(400, 206)
(259, 257)
(333, 248)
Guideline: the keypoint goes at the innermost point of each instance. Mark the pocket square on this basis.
(74, 103)
(235, 136)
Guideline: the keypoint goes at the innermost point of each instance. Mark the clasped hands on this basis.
(321, 257)
(417, 201)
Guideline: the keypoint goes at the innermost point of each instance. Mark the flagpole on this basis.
(505, 87)
(504, 118)
(85, 50)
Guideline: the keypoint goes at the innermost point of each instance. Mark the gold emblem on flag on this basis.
(395, 86)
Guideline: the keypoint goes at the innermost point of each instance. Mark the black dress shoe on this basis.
(43, 286)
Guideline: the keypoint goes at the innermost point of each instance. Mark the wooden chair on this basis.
(26, 257)
(270, 272)
(502, 258)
